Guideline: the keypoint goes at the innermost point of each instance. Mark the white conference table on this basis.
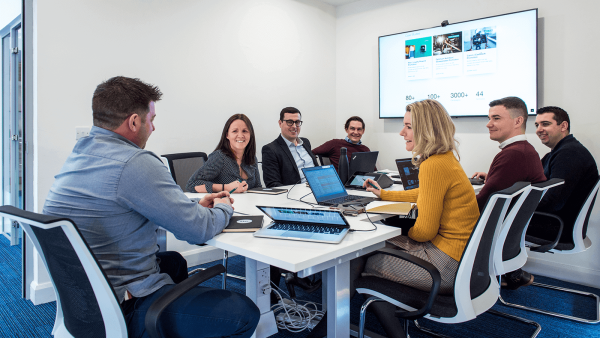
(306, 258)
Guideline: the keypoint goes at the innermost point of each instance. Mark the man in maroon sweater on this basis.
(517, 160)
(355, 128)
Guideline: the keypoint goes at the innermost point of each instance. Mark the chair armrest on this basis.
(549, 246)
(435, 287)
(151, 320)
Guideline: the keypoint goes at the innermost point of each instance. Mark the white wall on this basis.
(567, 78)
(210, 58)
(9, 10)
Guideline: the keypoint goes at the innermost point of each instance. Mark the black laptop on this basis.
(409, 174)
(363, 162)
(328, 189)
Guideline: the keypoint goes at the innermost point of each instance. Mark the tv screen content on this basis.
(463, 65)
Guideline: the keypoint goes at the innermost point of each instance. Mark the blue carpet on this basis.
(19, 318)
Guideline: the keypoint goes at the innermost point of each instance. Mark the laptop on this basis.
(311, 225)
(409, 174)
(363, 161)
(328, 189)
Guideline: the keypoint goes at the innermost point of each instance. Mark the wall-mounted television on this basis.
(463, 65)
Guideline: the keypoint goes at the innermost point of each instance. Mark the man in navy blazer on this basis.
(283, 159)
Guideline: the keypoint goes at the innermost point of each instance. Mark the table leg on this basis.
(258, 289)
(338, 300)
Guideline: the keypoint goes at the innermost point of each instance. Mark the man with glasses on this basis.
(282, 163)
(283, 159)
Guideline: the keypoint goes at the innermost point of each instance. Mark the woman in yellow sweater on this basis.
(446, 201)
(448, 212)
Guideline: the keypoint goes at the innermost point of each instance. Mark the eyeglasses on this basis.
(291, 123)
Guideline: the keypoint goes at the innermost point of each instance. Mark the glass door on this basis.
(12, 125)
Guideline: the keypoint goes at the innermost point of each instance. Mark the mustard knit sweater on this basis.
(447, 205)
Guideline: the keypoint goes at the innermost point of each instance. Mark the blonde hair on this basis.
(433, 130)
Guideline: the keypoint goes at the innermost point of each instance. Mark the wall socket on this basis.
(82, 132)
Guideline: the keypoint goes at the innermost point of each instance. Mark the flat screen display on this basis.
(463, 65)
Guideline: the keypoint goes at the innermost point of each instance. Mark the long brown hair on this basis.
(250, 150)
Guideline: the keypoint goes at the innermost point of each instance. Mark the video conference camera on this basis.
(445, 23)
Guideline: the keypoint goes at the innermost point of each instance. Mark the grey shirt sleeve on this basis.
(147, 187)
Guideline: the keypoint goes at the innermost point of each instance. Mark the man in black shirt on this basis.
(570, 160)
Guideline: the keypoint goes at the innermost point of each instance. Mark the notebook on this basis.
(409, 174)
(401, 209)
(311, 225)
(269, 191)
(244, 224)
(328, 189)
(362, 161)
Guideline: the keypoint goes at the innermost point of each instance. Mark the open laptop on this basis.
(363, 162)
(409, 174)
(312, 225)
(328, 189)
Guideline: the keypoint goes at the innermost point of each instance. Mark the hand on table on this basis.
(211, 200)
(239, 187)
(480, 175)
(370, 188)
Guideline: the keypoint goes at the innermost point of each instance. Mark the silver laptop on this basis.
(328, 189)
(311, 225)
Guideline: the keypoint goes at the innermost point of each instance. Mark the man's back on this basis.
(118, 194)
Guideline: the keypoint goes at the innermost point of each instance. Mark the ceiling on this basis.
(338, 2)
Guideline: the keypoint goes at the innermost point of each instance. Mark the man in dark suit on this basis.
(282, 163)
(283, 159)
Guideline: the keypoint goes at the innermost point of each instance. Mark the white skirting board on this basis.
(41, 293)
(562, 271)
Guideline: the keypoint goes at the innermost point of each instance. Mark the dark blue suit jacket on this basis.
(278, 165)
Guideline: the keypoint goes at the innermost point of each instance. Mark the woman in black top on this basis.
(233, 164)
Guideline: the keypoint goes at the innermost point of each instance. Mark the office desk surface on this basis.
(296, 255)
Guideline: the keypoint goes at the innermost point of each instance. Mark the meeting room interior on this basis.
(212, 59)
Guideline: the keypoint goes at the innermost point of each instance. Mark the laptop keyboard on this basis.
(321, 229)
(344, 199)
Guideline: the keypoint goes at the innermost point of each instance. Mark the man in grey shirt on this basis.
(118, 194)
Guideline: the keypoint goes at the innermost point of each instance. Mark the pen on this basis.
(373, 185)
(232, 190)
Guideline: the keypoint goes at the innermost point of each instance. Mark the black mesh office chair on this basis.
(323, 160)
(182, 166)
(86, 304)
(581, 242)
(476, 289)
(510, 253)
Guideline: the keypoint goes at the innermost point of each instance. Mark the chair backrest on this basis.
(510, 252)
(323, 160)
(475, 288)
(184, 165)
(86, 304)
(582, 242)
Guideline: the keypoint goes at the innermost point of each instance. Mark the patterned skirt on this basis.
(403, 272)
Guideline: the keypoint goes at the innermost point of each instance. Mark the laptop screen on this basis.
(363, 161)
(316, 216)
(324, 182)
(408, 173)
